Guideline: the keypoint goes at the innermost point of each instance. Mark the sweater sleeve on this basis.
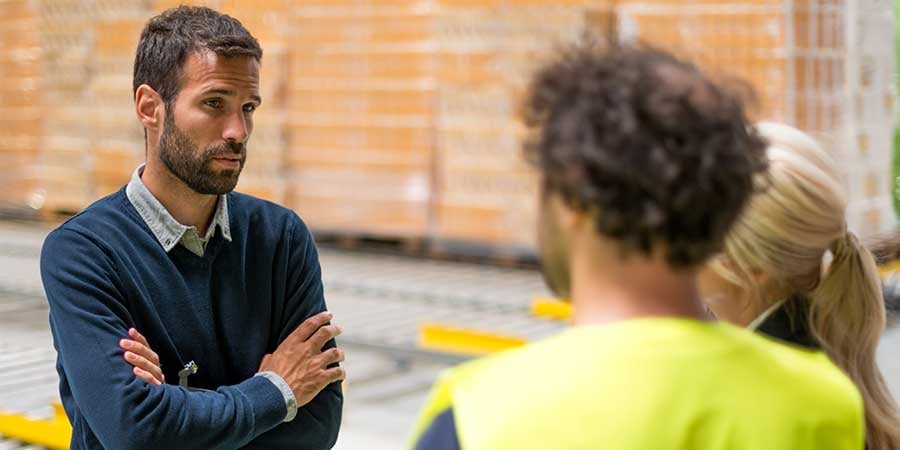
(317, 423)
(88, 317)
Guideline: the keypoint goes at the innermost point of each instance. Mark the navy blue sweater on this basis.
(104, 271)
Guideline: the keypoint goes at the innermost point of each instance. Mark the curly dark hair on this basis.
(652, 148)
(170, 37)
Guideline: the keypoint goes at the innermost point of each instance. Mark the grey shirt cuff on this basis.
(290, 401)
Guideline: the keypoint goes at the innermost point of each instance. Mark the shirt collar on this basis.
(765, 315)
(167, 230)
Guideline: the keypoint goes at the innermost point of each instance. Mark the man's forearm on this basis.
(167, 416)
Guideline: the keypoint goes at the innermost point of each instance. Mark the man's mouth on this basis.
(237, 158)
(228, 160)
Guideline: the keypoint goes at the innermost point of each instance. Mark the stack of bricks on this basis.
(399, 118)
(793, 57)
(65, 160)
(487, 50)
(117, 137)
(20, 104)
(821, 55)
(91, 141)
(361, 94)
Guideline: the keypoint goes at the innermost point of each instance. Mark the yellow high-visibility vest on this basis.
(651, 384)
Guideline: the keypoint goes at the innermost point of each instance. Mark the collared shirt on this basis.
(169, 232)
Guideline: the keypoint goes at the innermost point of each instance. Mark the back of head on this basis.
(785, 234)
(658, 155)
(170, 37)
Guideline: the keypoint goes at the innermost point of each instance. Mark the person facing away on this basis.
(644, 164)
(772, 277)
(226, 288)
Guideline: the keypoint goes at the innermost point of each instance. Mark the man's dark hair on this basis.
(656, 153)
(170, 37)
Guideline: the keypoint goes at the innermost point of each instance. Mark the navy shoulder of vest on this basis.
(440, 434)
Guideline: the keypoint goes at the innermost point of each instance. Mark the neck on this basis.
(615, 290)
(184, 204)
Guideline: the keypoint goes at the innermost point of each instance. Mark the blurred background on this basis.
(391, 127)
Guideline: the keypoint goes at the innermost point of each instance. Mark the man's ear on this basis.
(149, 106)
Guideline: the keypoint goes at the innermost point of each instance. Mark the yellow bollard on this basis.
(464, 341)
(889, 267)
(551, 308)
(54, 433)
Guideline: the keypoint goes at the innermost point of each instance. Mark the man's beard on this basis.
(552, 245)
(555, 270)
(182, 157)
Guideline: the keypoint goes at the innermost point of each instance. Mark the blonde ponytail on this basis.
(847, 317)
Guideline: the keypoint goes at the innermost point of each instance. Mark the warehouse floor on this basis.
(379, 300)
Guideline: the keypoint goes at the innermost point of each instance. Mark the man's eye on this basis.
(214, 103)
(249, 108)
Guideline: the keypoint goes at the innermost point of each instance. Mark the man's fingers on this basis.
(146, 376)
(323, 335)
(331, 356)
(334, 374)
(145, 365)
(140, 349)
(137, 336)
(309, 326)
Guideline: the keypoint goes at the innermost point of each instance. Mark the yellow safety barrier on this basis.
(465, 341)
(889, 267)
(54, 433)
(551, 308)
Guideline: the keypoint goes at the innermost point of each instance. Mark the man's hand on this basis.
(145, 361)
(302, 363)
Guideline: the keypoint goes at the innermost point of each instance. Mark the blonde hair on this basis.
(785, 233)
